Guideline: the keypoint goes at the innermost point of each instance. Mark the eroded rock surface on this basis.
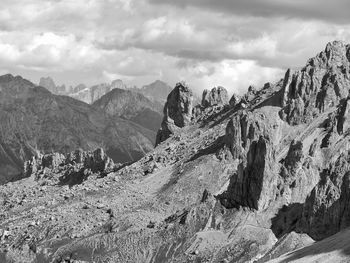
(235, 99)
(177, 111)
(320, 85)
(75, 166)
(217, 96)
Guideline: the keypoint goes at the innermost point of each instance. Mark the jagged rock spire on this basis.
(321, 84)
(217, 96)
(177, 111)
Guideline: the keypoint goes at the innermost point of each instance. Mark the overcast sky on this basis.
(232, 43)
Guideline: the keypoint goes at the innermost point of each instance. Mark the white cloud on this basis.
(235, 76)
(207, 44)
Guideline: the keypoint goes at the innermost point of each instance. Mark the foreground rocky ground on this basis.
(241, 180)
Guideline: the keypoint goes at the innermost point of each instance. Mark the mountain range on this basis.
(34, 121)
(156, 91)
(263, 177)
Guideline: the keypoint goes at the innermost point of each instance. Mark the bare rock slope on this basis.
(248, 182)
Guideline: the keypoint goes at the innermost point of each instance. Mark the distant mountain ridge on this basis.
(34, 120)
(132, 106)
(156, 91)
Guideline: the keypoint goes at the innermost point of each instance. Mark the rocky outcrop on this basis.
(242, 130)
(343, 121)
(235, 99)
(295, 155)
(326, 210)
(260, 178)
(248, 138)
(217, 96)
(77, 162)
(177, 111)
(252, 186)
(251, 93)
(336, 124)
(321, 84)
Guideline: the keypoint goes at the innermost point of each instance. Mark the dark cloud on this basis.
(329, 10)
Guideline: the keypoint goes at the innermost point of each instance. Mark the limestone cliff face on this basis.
(177, 111)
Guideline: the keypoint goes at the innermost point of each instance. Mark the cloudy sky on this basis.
(233, 43)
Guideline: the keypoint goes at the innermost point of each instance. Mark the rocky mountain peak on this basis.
(10, 78)
(217, 96)
(235, 99)
(156, 91)
(320, 85)
(6, 78)
(335, 54)
(178, 107)
(177, 111)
